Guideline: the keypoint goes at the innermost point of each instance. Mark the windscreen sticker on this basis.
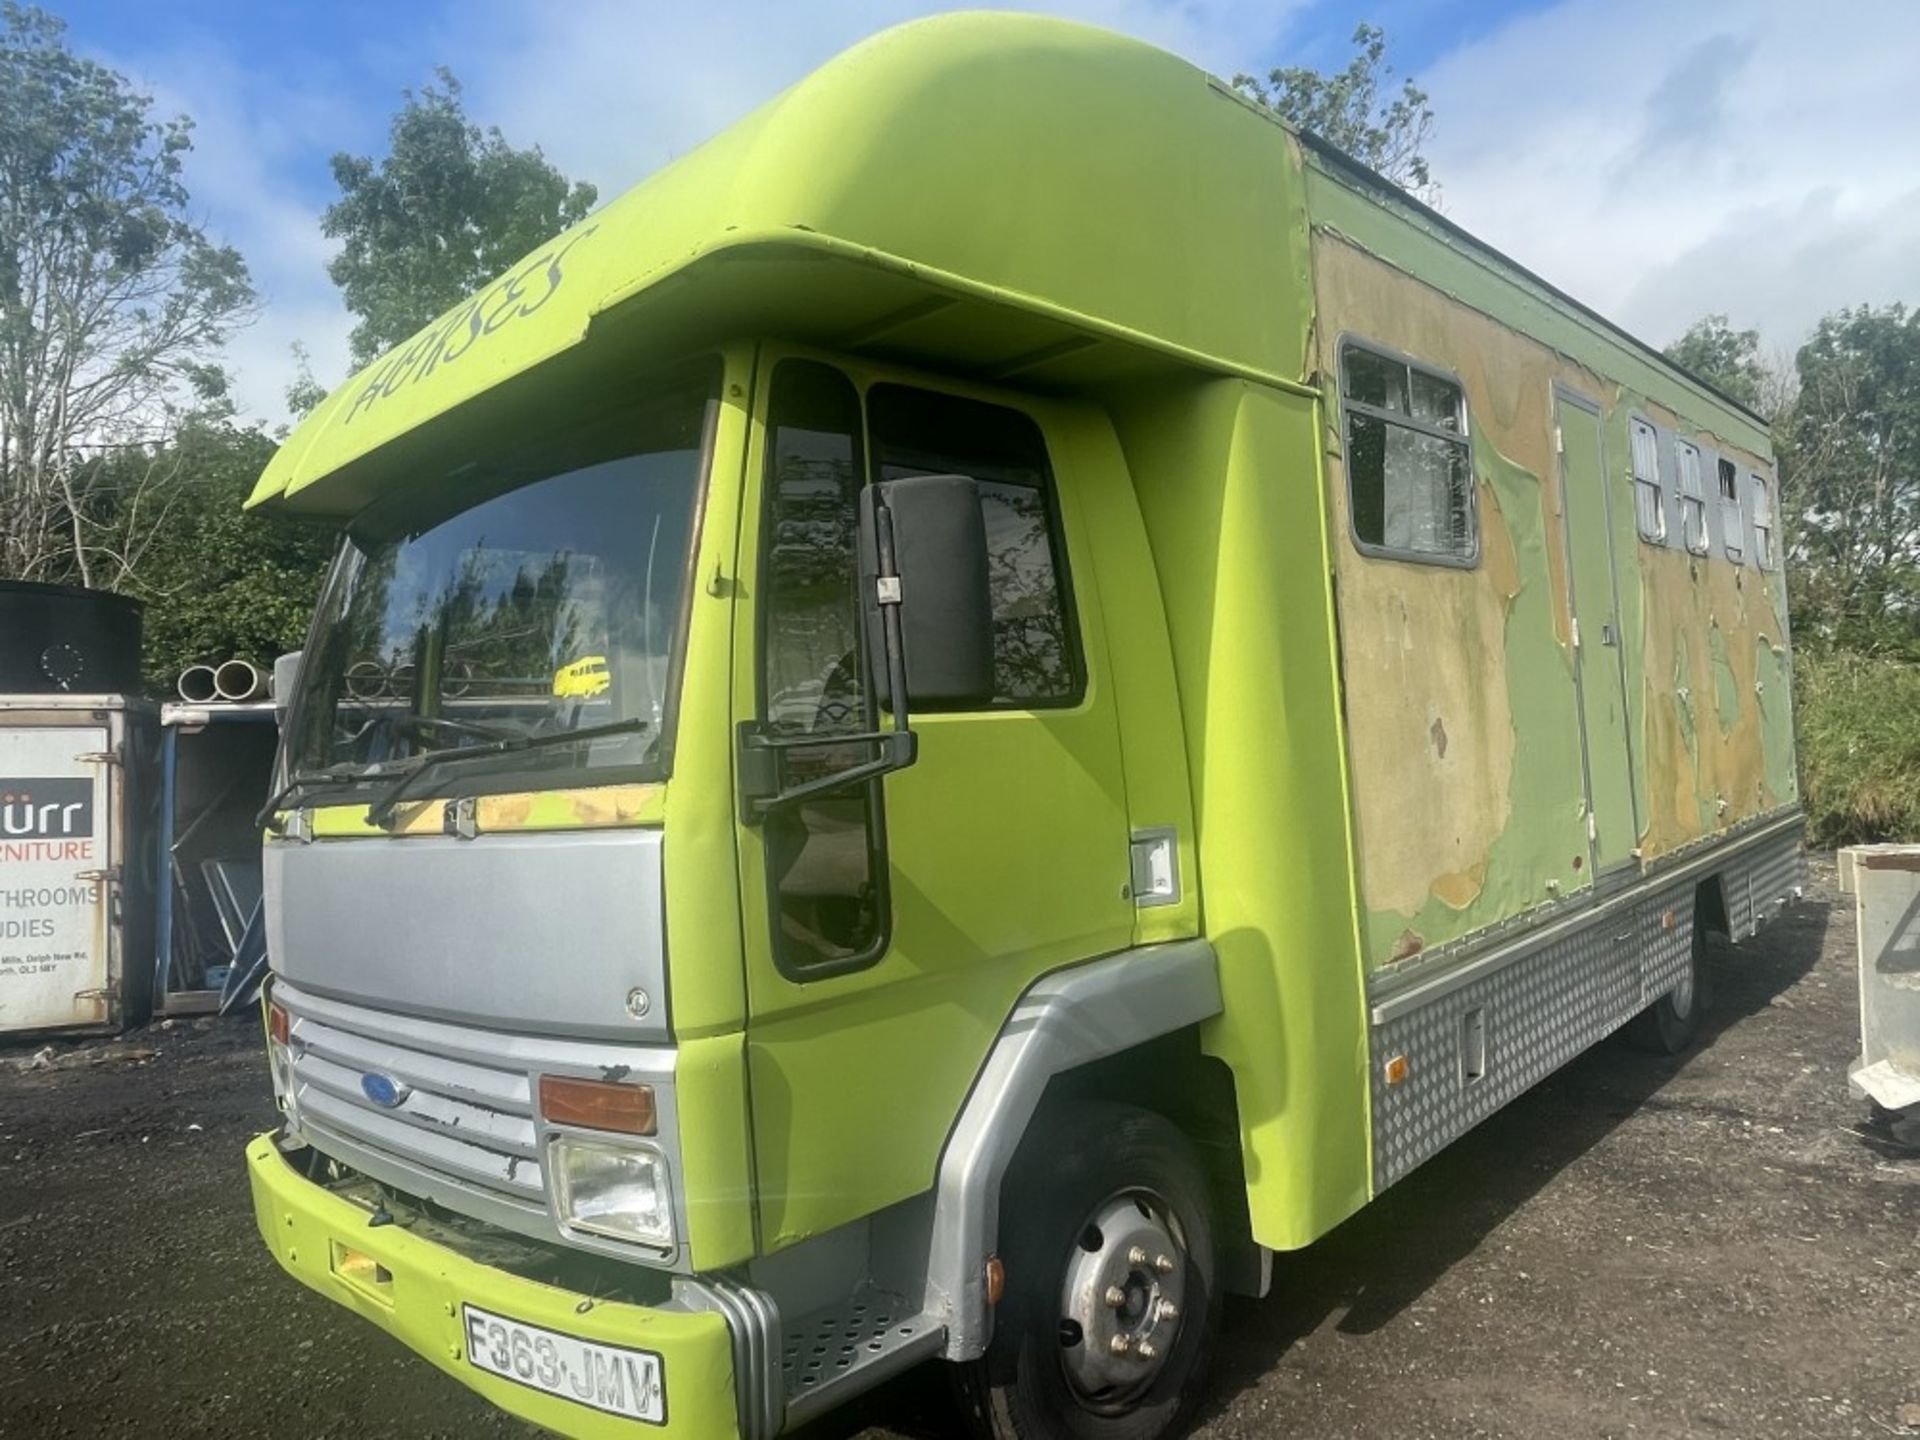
(583, 678)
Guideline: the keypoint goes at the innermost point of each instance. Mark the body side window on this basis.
(1409, 470)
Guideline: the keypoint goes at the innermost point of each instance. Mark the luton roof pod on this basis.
(871, 208)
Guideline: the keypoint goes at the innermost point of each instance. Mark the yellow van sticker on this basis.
(583, 678)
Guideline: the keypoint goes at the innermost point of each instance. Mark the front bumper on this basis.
(305, 1226)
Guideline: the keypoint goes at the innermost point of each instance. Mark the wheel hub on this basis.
(1121, 1303)
(1683, 996)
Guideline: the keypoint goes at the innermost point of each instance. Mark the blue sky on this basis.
(1658, 158)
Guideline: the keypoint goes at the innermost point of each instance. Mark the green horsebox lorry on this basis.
(999, 694)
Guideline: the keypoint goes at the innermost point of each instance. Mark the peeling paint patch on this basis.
(1462, 887)
(1726, 694)
(1773, 697)
(1708, 774)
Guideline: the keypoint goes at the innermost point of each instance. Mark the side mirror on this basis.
(935, 570)
(929, 624)
(286, 670)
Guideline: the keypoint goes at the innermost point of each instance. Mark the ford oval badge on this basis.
(384, 1090)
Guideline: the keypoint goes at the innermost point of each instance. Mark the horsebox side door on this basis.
(1613, 826)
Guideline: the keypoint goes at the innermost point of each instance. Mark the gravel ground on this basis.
(1637, 1248)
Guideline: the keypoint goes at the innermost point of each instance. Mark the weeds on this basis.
(1859, 730)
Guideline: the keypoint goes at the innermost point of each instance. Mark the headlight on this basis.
(620, 1191)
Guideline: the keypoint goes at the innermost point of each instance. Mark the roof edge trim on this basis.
(1386, 193)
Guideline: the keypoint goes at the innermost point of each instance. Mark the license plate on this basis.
(607, 1377)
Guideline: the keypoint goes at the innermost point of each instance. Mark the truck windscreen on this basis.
(524, 594)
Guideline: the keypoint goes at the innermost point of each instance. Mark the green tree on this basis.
(218, 581)
(113, 302)
(1387, 134)
(1850, 468)
(450, 207)
(1725, 358)
(303, 392)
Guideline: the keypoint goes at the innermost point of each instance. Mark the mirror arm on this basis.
(888, 588)
(760, 790)
(760, 752)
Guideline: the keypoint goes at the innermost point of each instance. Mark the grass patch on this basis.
(1858, 720)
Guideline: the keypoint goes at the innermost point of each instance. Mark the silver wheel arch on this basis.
(1067, 1019)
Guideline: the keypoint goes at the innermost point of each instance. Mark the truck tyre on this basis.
(1111, 1301)
(1672, 1023)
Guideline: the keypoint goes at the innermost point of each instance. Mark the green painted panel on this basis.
(1726, 691)
(698, 856)
(1774, 685)
(1630, 591)
(1541, 852)
(1598, 655)
(1683, 697)
(1775, 699)
(1230, 485)
(1144, 687)
(710, 1092)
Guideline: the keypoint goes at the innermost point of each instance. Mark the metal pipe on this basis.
(197, 684)
(239, 680)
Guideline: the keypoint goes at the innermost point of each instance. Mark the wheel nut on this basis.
(1163, 1263)
(1145, 1351)
(1169, 1310)
(1116, 1297)
(1136, 1256)
(1119, 1345)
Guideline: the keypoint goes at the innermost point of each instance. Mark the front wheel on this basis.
(1111, 1303)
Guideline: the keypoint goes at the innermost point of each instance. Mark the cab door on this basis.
(891, 927)
(1599, 652)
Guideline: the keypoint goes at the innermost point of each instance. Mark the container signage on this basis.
(52, 850)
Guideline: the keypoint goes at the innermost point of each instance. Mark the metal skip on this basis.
(56, 877)
(1885, 883)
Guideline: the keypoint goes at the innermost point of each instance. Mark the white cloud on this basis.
(254, 131)
(1662, 161)
(613, 90)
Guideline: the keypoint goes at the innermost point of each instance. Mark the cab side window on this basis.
(825, 855)
(922, 432)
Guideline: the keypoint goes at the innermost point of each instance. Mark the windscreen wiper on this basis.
(407, 724)
(381, 810)
(269, 816)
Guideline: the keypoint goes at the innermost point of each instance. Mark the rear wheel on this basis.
(1672, 1023)
(1111, 1299)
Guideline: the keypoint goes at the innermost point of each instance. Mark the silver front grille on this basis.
(462, 1128)
(470, 1121)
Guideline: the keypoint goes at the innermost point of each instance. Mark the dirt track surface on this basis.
(1637, 1248)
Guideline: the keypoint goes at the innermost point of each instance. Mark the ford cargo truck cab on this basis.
(827, 823)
